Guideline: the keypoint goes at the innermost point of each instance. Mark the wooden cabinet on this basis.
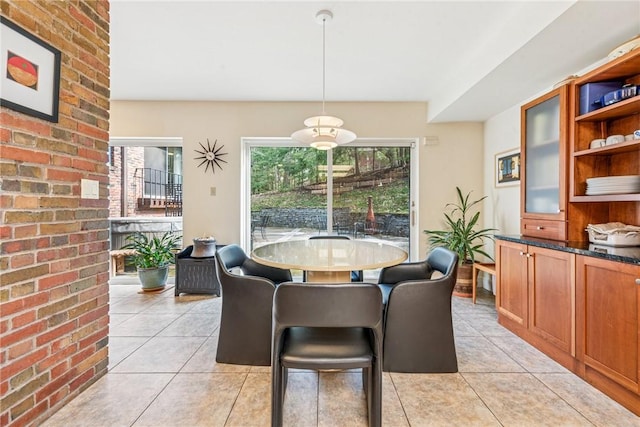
(608, 319)
(543, 148)
(621, 118)
(536, 292)
(552, 296)
(582, 311)
(511, 272)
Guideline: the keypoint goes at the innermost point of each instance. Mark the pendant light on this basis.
(323, 132)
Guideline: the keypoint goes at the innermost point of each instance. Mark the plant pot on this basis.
(153, 279)
(464, 283)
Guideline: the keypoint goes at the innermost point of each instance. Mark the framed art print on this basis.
(29, 73)
(507, 168)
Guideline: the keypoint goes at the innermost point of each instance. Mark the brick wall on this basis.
(115, 182)
(135, 159)
(54, 245)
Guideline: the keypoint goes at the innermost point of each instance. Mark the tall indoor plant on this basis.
(153, 256)
(461, 237)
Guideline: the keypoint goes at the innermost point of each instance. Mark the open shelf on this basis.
(622, 147)
(611, 160)
(635, 197)
(619, 109)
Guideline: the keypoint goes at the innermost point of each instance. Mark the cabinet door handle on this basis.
(529, 255)
(522, 253)
(637, 281)
(539, 227)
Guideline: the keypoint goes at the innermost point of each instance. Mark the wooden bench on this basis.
(117, 260)
(477, 267)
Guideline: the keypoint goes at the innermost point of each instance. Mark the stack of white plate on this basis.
(613, 185)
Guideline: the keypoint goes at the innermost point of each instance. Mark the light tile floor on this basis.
(162, 372)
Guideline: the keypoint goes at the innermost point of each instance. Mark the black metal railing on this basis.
(156, 189)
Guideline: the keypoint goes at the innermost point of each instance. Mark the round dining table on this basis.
(328, 260)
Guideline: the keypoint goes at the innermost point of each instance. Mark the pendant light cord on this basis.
(324, 21)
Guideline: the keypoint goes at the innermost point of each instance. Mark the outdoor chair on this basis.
(323, 326)
(245, 322)
(340, 226)
(418, 327)
(260, 225)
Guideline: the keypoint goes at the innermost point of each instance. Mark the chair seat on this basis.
(326, 348)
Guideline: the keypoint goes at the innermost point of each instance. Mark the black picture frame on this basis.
(507, 168)
(29, 73)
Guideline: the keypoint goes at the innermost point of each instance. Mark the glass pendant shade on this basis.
(323, 132)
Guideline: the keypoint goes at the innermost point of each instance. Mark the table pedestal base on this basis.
(329, 276)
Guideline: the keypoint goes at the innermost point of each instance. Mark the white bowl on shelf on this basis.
(614, 139)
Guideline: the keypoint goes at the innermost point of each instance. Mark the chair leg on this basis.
(365, 380)
(375, 409)
(278, 379)
(285, 381)
(366, 385)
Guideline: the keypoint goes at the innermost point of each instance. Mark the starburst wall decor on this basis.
(211, 156)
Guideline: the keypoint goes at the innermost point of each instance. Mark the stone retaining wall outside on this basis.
(316, 218)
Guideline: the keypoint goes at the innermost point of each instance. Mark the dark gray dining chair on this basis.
(418, 326)
(327, 326)
(247, 296)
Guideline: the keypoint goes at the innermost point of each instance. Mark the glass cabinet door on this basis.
(542, 157)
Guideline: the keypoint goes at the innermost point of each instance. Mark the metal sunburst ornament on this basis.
(211, 156)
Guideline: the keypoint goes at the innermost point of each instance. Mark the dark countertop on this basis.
(629, 255)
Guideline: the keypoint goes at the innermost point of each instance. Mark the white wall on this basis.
(502, 206)
(454, 161)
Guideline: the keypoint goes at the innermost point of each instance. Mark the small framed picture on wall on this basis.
(508, 168)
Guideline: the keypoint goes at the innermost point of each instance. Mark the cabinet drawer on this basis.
(544, 229)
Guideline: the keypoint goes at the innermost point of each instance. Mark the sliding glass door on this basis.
(362, 190)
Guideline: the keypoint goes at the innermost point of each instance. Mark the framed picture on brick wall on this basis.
(29, 73)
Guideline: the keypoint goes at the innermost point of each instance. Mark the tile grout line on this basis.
(155, 398)
(560, 397)
(481, 399)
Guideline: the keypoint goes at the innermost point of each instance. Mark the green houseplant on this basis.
(153, 256)
(461, 237)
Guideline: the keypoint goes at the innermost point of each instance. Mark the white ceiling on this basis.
(468, 59)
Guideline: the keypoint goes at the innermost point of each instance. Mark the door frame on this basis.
(246, 143)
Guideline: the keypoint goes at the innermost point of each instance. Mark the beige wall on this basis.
(456, 159)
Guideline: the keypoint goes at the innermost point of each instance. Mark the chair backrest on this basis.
(330, 236)
(443, 260)
(327, 305)
(231, 256)
(419, 270)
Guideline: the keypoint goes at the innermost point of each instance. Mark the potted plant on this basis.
(462, 238)
(153, 257)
